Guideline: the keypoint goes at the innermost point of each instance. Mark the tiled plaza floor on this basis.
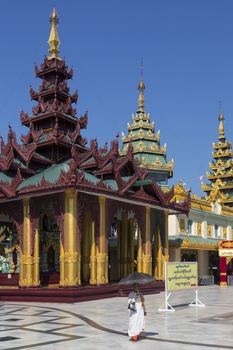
(102, 324)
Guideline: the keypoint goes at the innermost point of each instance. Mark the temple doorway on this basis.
(123, 245)
(49, 250)
(189, 255)
(214, 266)
(87, 240)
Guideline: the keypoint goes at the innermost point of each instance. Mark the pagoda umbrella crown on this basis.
(220, 186)
(54, 41)
(146, 143)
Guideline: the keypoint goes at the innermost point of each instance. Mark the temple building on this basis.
(63, 201)
(198, 237)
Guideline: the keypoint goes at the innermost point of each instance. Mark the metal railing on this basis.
(230, 279)
(206, 280)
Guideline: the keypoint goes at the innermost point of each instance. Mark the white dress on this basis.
(136, 318)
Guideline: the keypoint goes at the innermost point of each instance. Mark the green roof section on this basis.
(5, 178)
(149, 158)
(126, 178)
(143, 183)
(147, 143)
(91, 178)
(43, 138)
(111, 184)
(50, 174)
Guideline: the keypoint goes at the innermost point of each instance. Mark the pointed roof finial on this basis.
(221, 131)
(141, 88)
(54, 41)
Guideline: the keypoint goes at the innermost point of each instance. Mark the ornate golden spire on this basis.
(54, 40)
(221, 127)
(141, 88)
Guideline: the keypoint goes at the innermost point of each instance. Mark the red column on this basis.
(223, 271)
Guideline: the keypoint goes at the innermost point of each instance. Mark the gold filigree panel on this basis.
(182, 225)
(224, 233)
(209, 230)
(199, 229)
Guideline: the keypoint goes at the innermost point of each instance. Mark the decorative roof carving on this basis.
(180, 189)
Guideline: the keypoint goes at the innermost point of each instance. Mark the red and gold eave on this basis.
(102, 165)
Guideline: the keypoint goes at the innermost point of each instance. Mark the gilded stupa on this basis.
(220, 187)
(146, 143)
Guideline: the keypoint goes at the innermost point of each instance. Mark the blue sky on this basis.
(187, 48)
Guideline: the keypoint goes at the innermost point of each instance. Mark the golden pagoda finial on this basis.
(221, 127)
(54, 41)
(141, 88)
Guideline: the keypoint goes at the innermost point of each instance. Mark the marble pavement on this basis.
(102, 324)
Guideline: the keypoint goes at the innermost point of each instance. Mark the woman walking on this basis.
(137, 312)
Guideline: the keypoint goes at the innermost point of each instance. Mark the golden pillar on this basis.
(21, 268)
(93, 255)
(158, 271)
(119, 261)
(139, 255)
(147, 258)
(36, 259)
(125, 242)
(62, 265)
(27, 260)
(131, 234)
(165, 257)
(85, 247)
(102, 261)
(71, 253)
(106, 268)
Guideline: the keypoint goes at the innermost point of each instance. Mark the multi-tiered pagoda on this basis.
(146, 143)
(220, 187)
(61, 200)
(53, 125)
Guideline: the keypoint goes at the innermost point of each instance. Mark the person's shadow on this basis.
(148, 334)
